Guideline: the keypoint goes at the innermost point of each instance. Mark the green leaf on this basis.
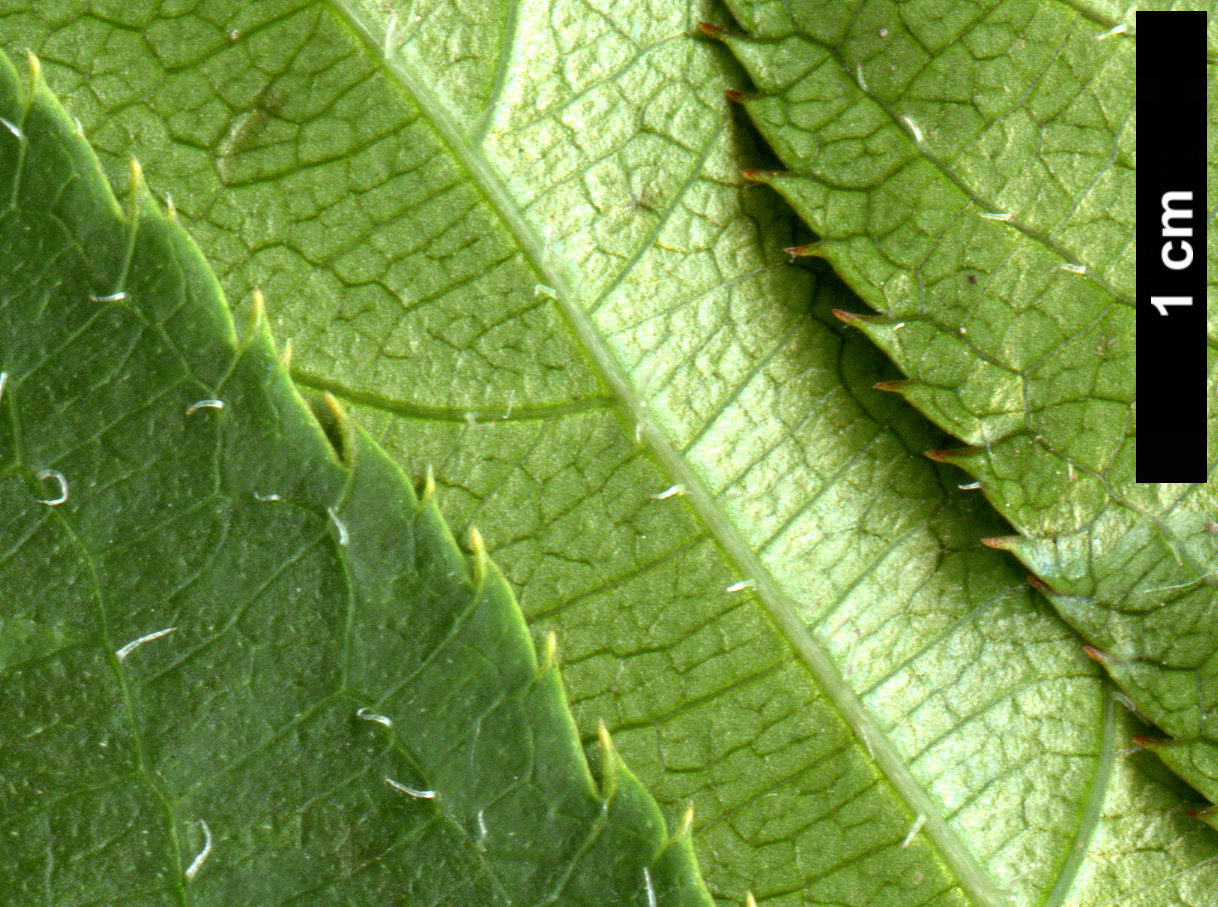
(516, 243)
(997, 239)
(238, 670)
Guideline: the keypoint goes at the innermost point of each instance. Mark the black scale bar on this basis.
(1171, 224)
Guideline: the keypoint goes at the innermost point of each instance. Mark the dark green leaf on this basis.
(237, 670)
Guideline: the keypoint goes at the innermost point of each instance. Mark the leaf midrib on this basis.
(782, 609)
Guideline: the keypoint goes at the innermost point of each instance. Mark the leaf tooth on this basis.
(882, 330)
(346, 430)
(955, 456)
(257, 318)
(738, 97)
(336, 408)
(726, 35)
(766, 68)
(139, 188)
(1208, 815)
(1040, 585)
(478, 547)
(811, 250)
(761, 176)
(1150, 743)
(1003, 542)
(685, 828)
(429, 487)
(858, 321)
(1097, 655)
(896, 387)
(609, 762)
(35, 82)
(549, 655)
(749, 900)
(257, 329)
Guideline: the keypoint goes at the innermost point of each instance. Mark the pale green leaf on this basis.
(997, 238)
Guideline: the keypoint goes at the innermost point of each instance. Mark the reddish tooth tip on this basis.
(1147, 743)
(807, 251)
(713, 31)
(1040, 585)
(757, 176)
(1095, 654)
(939, 456)
(893, 386)
(848, 317)
(1002, 542)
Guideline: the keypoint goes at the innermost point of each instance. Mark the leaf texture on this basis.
(979, 193)
(240, 671)
(515, 241)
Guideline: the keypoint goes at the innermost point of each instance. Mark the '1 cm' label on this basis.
(1176, 255)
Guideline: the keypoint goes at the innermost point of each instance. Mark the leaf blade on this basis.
(1035, 372)
(238, 601)
(592, 547)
